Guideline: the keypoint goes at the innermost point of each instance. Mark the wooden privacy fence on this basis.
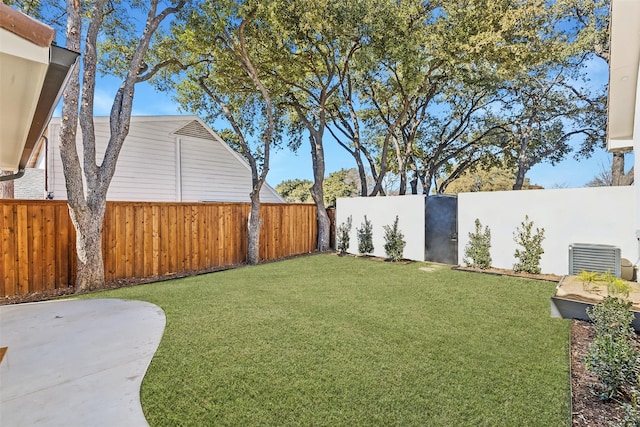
(37, 239)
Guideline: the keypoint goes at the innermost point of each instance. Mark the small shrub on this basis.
(611, 356)
(618, 287)
(613, 361)
(529, 257)
(588, 278)
(365, 237)
(615, 285)
(343, 235)
(612, 317)
(394, 241)
(632, 411)
(477, 252)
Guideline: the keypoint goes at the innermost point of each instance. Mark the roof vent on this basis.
(597, 258)
(195, 130)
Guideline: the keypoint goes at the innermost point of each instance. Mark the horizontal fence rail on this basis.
(143, 239)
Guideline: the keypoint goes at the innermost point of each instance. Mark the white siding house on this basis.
(165, 158)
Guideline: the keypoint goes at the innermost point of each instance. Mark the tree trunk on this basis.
(255, 222)
(403, 182)
(6, 187)
(87, 210)
(617, 169)
(324, 224)
(628, 179)
(414, 184)
(522, 163)
(520, 175)
(361, 173)
(90, 266)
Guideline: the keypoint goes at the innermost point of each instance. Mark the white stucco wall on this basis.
(604, 215)
(382, 211)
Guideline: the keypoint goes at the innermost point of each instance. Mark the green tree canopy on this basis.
(295, 190)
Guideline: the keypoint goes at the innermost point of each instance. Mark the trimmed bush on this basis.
(365, 237)
(611, 356)
(529, 256)
(394, 241)
(343, 236)
(477, 252)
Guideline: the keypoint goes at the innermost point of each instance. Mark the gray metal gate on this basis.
(441, 229)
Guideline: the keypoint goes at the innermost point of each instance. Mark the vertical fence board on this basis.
(172, 238)
(63, 228)
(138, 241)
(49, 245)
(130, 235)
(10, 260)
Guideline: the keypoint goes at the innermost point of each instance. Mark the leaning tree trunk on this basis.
(629, 177)
(361, 173)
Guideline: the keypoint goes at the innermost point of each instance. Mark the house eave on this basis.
(34, 73)
(623, 74)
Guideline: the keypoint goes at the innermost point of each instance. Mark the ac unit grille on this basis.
(597, 258)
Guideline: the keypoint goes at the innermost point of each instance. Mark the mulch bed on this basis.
(511, 273)
(588, 409)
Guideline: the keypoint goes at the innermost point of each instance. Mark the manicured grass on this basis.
(328, 340)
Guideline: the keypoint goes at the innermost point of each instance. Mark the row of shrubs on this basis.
(477, 253)
(393, 237)
(612, 357)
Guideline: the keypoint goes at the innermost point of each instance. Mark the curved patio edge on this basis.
(76, 362)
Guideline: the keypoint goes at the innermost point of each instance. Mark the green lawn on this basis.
(327, 340)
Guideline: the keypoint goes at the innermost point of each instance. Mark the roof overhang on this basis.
(33, 74)
(624, 91)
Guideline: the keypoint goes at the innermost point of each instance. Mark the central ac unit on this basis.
(597, 258)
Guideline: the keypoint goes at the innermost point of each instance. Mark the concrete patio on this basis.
(76, 362)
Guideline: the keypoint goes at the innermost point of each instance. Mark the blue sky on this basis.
(288, 165)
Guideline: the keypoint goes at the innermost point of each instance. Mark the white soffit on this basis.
(623, 73)
(23, 66)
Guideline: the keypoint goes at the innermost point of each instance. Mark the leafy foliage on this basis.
(394, 241)
(611, 356)
(338, 184)
(632, 411)
(343, 235)
(477, 252)
(612, 317)
(493, 178)
(529, 256)
(365, 237)
(295, 190)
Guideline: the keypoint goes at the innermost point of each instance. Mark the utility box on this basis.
(627, 270)
(592, 257)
